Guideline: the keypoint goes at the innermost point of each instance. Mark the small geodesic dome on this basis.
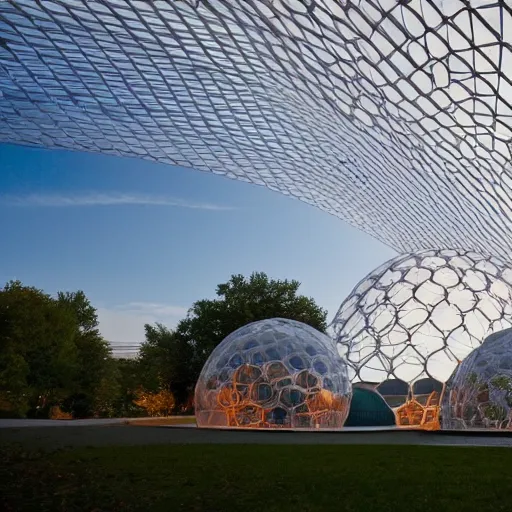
(420, 314)
(479, 393)
(272, 374)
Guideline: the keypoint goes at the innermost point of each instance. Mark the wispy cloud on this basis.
(125, 323)
(153, 308)
(101, 199)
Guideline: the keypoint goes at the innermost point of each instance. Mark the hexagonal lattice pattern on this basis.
(419, 314)
(274, 374)
(414, 405)
(393, 115)
(479, 393)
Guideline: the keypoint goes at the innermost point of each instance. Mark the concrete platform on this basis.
(14, 423)
(308, 430)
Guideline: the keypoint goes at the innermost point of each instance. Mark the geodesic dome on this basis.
(479, 393)
(273, 373)
(393, 115)
(419, 314)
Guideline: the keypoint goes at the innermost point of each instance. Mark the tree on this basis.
(177, 357)
(165, 360)
(38, 358)
(129, 379)
(161, 403)
(85, 314)
(52, 354)
(97, 386)
(241, 301)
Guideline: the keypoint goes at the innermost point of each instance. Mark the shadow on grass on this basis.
(228, 478)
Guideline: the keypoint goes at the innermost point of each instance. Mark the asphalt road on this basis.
(115, 434)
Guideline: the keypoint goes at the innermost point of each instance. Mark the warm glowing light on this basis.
(415, 414)
(274, 374)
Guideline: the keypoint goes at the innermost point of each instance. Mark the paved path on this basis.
(110, 435)
(8, 423)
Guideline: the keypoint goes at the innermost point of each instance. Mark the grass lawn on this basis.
(224, 478)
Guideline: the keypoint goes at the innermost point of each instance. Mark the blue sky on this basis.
(145, 240)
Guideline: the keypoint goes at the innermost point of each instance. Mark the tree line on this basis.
(54, 363)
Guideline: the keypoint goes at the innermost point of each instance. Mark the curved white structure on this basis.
(393, 115)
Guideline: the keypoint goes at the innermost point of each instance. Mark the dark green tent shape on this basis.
(369, 409)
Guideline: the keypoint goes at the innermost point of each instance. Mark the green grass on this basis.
(224, 478)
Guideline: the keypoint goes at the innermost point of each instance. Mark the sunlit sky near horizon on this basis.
(145, 240)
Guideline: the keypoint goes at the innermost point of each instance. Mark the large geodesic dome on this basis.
(420, 314)
(275, 373)
(479, 393)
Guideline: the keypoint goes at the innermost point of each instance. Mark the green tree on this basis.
(52, 354)
(85, 314)
(165, 361)
(129, 380)
(176, 358)
(38, 357)
(241, 301)
(97, 387)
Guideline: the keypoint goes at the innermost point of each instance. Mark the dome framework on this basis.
(274, 373)
(479, 393)
(417, 317)
(420, 314)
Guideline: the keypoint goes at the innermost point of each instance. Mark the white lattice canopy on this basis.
(393, 115)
